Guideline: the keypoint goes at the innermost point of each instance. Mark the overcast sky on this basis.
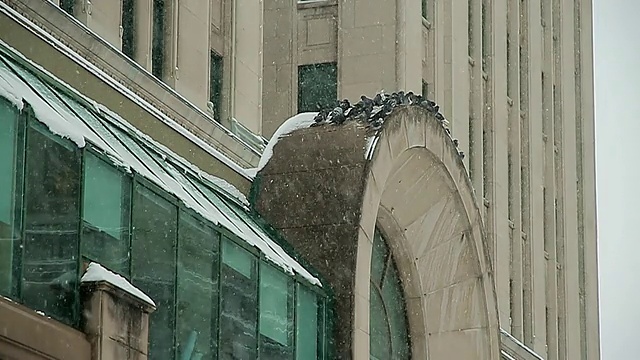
(617, 80)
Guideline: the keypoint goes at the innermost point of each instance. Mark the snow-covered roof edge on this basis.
(64, 49)
(258, 238)
(299, 121)
(97, 273)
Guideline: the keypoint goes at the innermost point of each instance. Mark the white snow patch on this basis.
(97, 273)
(8, 92)
(300, 121)
(43, 111)
(371, 146)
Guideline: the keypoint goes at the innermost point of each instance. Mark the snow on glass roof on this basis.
(83, 121)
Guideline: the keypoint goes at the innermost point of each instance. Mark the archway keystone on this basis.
(327, 188)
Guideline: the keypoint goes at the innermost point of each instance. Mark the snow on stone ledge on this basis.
(300, 121)
(96, 273)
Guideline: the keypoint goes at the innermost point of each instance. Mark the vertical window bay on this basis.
(50, 254)
(153, 265)
(239, 303)
(197, 307)
(276, 314)
(106, 213)
(9, 235)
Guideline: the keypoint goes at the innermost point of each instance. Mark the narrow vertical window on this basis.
(309, 325)
(8, 233)
(388, 327)
(68, 6)
(276, 314)
(197, 307)
(128, 28)
(317, 86)
(105, 214)
(50, 254)
(157, 46)
(153, 265)
(215, 84)
(239, 303)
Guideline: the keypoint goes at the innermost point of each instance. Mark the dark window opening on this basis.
(317, 86)
(157, 46)
(215, 84)
(68, 6)
(128, 28)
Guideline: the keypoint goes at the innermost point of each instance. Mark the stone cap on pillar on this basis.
(96, 277)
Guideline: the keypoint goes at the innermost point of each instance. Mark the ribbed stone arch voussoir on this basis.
(417, 192)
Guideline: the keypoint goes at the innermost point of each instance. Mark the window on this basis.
(67, 6)
(317, 86)
(309, 325)
(215, 84)
(157, 46)
(276, 314)
(128, 28)
(388, 330)
(106, 213)
(9, 234)
(239, 303)
(197, 307)
(424, 9)
(51, 223)
(153, 264)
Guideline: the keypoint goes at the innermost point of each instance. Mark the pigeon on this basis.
(455, 142)
(336, 116)
(461, 153)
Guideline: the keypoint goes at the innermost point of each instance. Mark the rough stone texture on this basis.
(116, 323)
(327, 199)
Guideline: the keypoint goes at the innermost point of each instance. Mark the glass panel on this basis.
(317, 85)
(276, 314)
(8, 136)
(105, 234)
(197, 307)
(379, 333)
(52, 216)
(394, 301)
(215, 84)
(379, 256)
(153, 264)
(307, 324)
(157, 51)
(239, 303)
(128, 30)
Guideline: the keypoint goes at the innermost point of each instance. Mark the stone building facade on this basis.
(211, 80)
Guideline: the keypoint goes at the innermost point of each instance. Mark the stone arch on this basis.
(417, 191)
(343, 181)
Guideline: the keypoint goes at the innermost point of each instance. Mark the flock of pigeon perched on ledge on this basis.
(373, 112)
